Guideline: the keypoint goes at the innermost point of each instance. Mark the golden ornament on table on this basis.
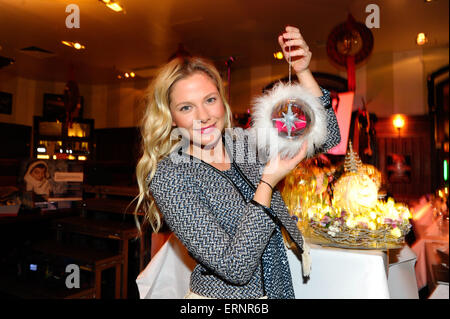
(303, 188)
(353, 217)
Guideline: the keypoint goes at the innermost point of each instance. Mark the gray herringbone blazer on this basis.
(222, 231)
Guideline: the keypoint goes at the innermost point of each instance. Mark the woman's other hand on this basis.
(277, 168)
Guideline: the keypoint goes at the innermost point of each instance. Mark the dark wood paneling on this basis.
(117, 145)
(415, 141)
(116, 153)
(14, 141)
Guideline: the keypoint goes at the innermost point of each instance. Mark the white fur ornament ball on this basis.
(284, 118)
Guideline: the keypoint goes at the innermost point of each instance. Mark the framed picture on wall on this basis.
(5, 103)
(54, 108)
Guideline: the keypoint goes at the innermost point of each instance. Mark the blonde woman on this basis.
(226, 212)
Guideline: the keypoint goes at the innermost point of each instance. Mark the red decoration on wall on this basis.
(349, 44)
(72, 101)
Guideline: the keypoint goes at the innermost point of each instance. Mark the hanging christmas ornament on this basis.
(287, 116)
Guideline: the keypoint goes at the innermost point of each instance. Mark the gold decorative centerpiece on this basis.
(347, 213)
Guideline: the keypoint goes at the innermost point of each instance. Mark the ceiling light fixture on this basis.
(74, 45)
(421, 38)
(126, 75)
(116, 7)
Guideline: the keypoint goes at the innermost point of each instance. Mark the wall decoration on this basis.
(399, 168)
(349, 44)
(5, 103)
(55, 107)
(72, 102)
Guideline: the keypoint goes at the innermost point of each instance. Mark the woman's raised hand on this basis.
(294, 46)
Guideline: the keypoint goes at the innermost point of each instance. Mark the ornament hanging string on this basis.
(289, 62)
(290, 118)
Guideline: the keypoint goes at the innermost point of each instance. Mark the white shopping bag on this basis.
(168, 273)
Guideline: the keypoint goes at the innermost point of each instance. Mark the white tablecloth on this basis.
(336, 274)
(431, 235)
(341, 274)
(402, 274)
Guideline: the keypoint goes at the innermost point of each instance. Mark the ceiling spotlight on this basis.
(113, 5)
(74, 45)
(126, 75)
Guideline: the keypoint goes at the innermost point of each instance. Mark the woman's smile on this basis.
(207, 129)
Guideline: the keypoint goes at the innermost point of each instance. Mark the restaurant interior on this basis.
(73, 80)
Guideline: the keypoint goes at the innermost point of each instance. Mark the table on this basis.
(336, 273)
(119, 206)
(36, 216)
(94, 261)
(102, 229)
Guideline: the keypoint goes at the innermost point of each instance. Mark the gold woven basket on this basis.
(358, 237)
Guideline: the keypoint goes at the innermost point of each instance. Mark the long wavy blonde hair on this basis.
(156, 127)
